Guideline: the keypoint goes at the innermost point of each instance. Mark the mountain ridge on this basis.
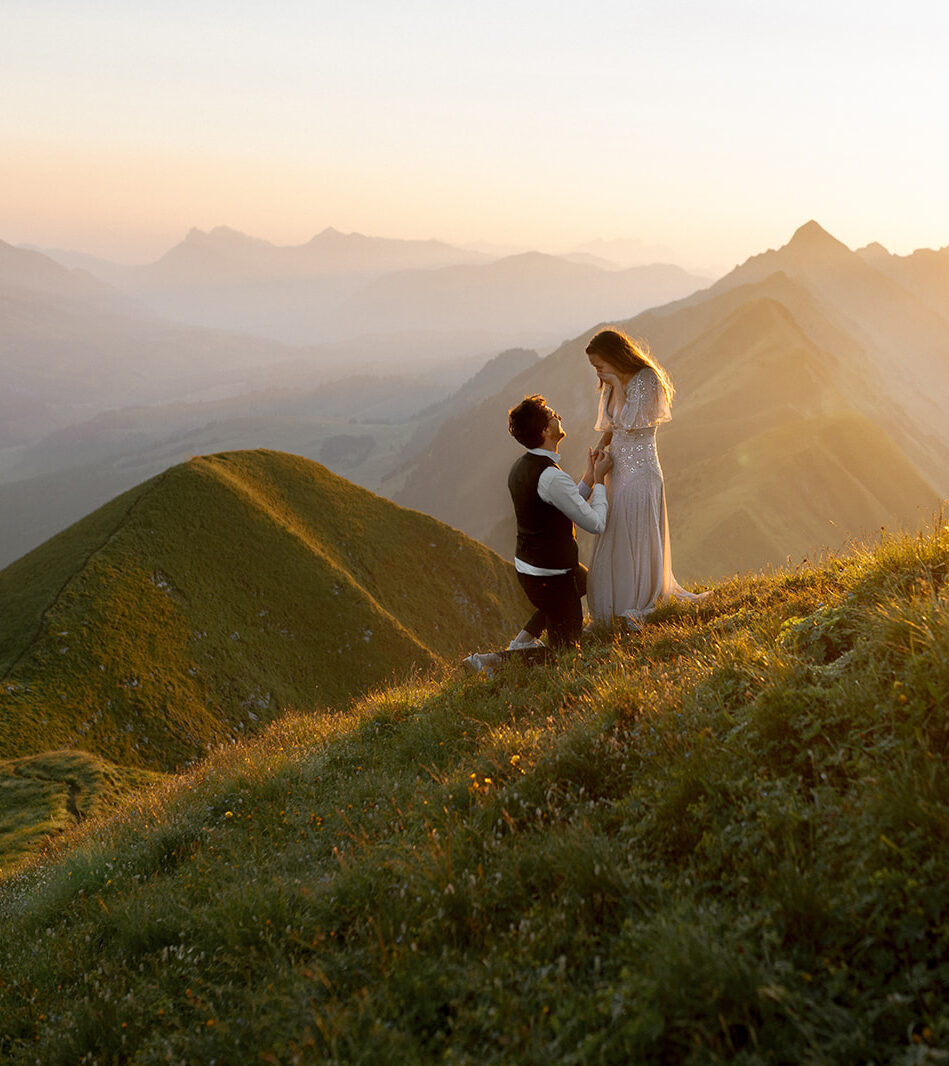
(222, 591)
(339, 285)
(902, 423)
(204, 254)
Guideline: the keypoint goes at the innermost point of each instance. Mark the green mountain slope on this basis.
(904, 365)
(804, 485)
(721, 839)
(219, 594)
(44, 795)
(761, 370)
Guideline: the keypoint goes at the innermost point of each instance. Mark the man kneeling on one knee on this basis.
(547, 503)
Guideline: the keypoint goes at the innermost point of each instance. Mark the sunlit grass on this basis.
(722, 838)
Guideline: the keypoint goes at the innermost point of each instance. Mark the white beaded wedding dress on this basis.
(631, 568)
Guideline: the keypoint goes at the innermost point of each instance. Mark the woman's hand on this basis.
(616, 396)
(611, 380)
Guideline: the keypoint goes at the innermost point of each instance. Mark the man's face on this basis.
(554, 432)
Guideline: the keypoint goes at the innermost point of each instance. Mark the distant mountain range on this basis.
(222, 592)
(71, 346)
(225, 254)
(514, 292)
(811, 408)
(340, 285)
(812, 379)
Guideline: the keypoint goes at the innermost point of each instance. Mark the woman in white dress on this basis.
(631, 569)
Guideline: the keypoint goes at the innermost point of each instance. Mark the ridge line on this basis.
(254, 497)
(120, 522)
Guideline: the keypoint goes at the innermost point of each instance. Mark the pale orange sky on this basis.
(714, 130)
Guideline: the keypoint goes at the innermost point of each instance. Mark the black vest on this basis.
(545, 536)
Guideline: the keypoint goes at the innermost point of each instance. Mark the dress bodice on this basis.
(633, 451)
(644, 404)
(633, 426)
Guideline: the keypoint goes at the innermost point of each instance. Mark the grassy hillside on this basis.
(723, 838)
(794, 469)
(44, 795)
(217, 595)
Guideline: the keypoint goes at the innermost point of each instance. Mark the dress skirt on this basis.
(631, 567)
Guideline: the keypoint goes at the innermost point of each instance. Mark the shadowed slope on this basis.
(42, 795)
(802, 485)
(222, 592)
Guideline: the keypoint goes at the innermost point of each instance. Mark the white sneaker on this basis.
(520, 645)
(481, 662)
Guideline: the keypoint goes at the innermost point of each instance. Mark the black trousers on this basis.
(557, 599)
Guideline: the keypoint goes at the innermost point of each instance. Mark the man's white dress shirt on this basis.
(558, 488)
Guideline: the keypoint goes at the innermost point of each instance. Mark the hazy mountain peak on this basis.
(31, 269)
(331, 235)
(626, 252)
(811, 248)
(541, 264)
(532, 257)
(813, 236)
(874, 253)
(27, 261)
(223, 237)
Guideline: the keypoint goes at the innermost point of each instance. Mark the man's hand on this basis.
(588, 473)
(602, 465)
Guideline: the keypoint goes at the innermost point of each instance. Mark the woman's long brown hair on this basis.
(628, 355)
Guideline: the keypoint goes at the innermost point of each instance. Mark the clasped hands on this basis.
(599, 464)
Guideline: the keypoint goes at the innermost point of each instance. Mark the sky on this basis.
(710, 130)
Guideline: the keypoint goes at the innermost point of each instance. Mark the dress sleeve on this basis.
(603, 420)
(646, 403)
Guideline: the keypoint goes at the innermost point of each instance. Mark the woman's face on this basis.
(602, 367)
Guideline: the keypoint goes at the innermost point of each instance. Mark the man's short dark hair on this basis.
(527, 421)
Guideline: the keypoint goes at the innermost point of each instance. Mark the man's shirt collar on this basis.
(546, 451)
